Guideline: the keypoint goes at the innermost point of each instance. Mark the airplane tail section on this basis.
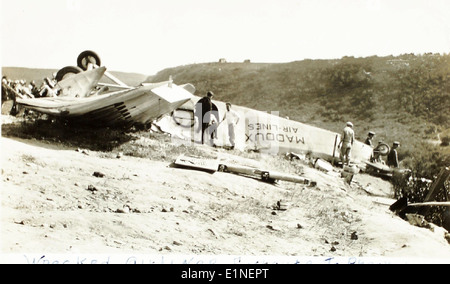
(188, 87)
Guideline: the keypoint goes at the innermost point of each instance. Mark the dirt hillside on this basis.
(63, 200)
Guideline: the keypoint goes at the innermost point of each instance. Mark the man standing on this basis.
(5, 90)
(347, 139)
(203, 111)
(369, 138)
(392, 158)
(232, 118)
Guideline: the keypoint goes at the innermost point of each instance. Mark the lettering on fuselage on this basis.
(262, 132)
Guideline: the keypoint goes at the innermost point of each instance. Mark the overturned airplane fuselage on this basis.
(263, 132)
(80, 102)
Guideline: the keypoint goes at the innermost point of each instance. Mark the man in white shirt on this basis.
(347, 139)
(232, 118)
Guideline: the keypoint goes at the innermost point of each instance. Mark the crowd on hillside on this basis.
(11, 89)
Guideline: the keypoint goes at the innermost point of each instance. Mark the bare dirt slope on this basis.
(51, 202)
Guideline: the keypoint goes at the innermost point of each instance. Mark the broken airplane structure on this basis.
(83, 99)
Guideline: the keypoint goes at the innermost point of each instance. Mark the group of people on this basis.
(20, 88)
(207, 115)
(13, 89)
(346, 144)
(392, 157)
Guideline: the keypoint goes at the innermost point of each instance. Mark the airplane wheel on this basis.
(87, 57)
(184, 118)
(184, 115)
(67, 72)
(383, 149)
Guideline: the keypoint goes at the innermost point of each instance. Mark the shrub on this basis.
(425, 162)
(445, 141)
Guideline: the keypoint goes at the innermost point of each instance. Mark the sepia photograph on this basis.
(225, 132)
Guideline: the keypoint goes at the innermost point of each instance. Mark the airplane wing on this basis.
(79, 101)
(140, 105)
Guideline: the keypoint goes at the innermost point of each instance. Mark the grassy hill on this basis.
(404, 98)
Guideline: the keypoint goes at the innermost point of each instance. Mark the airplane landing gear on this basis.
(88, 57)
(66, 72)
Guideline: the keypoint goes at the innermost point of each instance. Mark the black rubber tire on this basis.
(383, 148)
(185, 122)
(88, 56)
(188, 120)
(67, 70)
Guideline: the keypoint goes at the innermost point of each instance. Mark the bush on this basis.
(445, 141)
(425, 162)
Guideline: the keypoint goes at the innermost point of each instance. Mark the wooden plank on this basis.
(211, 165)
(266, 175)
(197, 163)
(288, 177)
(241, 169)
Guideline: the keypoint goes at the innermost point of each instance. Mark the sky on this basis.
(147, 36)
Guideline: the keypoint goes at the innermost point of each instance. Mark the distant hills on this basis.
(28, 74)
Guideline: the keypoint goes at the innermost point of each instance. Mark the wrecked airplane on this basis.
(83, 99)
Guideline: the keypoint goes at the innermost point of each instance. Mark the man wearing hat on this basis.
(232, 119)
(369, 138)
(347, 139)
(203, 111)
(392, 158)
